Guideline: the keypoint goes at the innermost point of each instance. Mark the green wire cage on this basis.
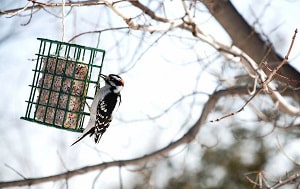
(63, 81)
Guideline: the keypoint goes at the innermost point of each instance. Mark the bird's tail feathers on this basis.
(98, 137)
(91, 132)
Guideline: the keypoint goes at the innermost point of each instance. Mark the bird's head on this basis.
(114, 81)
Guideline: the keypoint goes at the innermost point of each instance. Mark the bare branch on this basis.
(17, 11)
(279, 75)
(260, 180)
(39, 5)
(284, 61)
(185, 139)
(96, 178)
(285, 153)
(148, 11)
(165, 111)
(14, 170)
(120, 177)
(290, 179)
(241, 109)
(97, 31)
(263, 183)
(166, 26)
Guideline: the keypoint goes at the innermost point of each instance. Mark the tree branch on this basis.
(161, 153)
(148, 11)
(289, 180)
(38, 5)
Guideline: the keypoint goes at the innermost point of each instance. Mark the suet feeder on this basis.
(63, 78)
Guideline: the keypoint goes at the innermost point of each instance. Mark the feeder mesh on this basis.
(61, 85)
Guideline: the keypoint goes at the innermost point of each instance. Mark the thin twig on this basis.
(14, 170)
(241, 109)
(284, 61)
(166, 110)
(120, 177)
(97, 31)
(143, 53)
(289, 179)
(30, 17)
(39, 5)
(252, 92)
(14, 13)
(62, 161)
(279, 75)
(285, 153)
(95, 179)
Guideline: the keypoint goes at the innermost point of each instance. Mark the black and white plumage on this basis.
(106, 101)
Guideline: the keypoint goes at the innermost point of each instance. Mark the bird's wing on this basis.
(90, 128)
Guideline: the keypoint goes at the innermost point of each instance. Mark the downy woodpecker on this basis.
(105, 103)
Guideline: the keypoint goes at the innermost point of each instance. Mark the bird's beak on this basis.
(103, 76)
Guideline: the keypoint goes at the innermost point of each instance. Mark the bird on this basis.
(106, 101)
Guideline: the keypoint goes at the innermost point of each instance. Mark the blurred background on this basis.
(170, 75)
